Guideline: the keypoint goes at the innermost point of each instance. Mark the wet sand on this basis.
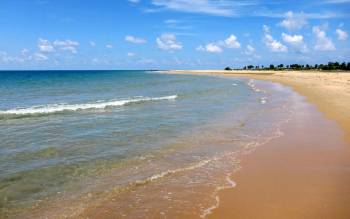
(305, 173)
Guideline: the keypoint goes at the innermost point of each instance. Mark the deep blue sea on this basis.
(150, 142)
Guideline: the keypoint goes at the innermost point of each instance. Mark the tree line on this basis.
(330, 66)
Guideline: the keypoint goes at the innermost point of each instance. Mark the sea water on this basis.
(138, 144)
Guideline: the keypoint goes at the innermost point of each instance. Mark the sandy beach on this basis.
(305, 173)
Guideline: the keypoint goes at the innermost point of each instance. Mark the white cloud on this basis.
(217, 47)
(40, 57)
(45, 46)
(342, 35)
(336, 1)
(294, 21)
(95, 61)
(109, 46)
(130, 54)
(168, 42)
(71, 49)
(4, 56)
(25, 52)
(63, 43)
(132, 39)
(24, 56)
(177, 24)
(212, 7)
(234, 8)
(210, 47)
(201, 48)
(266, 28)
(323, 15)
(323, 43)
(92, 43)
(231, 42)
(295, 41)
(67, 45)
(213, 48)
(250, 50)
(146, 61)
(171, 21)
(272, 44)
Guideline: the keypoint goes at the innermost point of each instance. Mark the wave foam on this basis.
(253, 87)
(231, 184)
(168, 172)
(56, 108)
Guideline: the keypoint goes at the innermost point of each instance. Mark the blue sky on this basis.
(171, 34)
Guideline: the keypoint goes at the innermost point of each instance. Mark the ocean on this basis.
(138, 144)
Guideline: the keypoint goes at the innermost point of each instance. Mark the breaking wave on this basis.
(57, 108)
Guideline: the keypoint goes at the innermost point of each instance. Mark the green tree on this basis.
(343, 66)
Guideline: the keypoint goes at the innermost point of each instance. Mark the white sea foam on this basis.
(263, 100)
(231, 184)
(252, 86)
(55, 108)
(168, 172)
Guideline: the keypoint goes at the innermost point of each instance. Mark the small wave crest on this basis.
(169, 172)
(57, 108)
(253, 87)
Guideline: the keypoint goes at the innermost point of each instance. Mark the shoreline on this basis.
(329, 91)
(305, 173)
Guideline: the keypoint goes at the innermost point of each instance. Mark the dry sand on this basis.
(306, 173)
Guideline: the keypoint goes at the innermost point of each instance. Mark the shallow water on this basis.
(127, 143)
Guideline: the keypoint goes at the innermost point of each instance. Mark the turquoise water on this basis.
(65, 134)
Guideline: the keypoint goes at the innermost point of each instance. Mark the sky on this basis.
(171, 34)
